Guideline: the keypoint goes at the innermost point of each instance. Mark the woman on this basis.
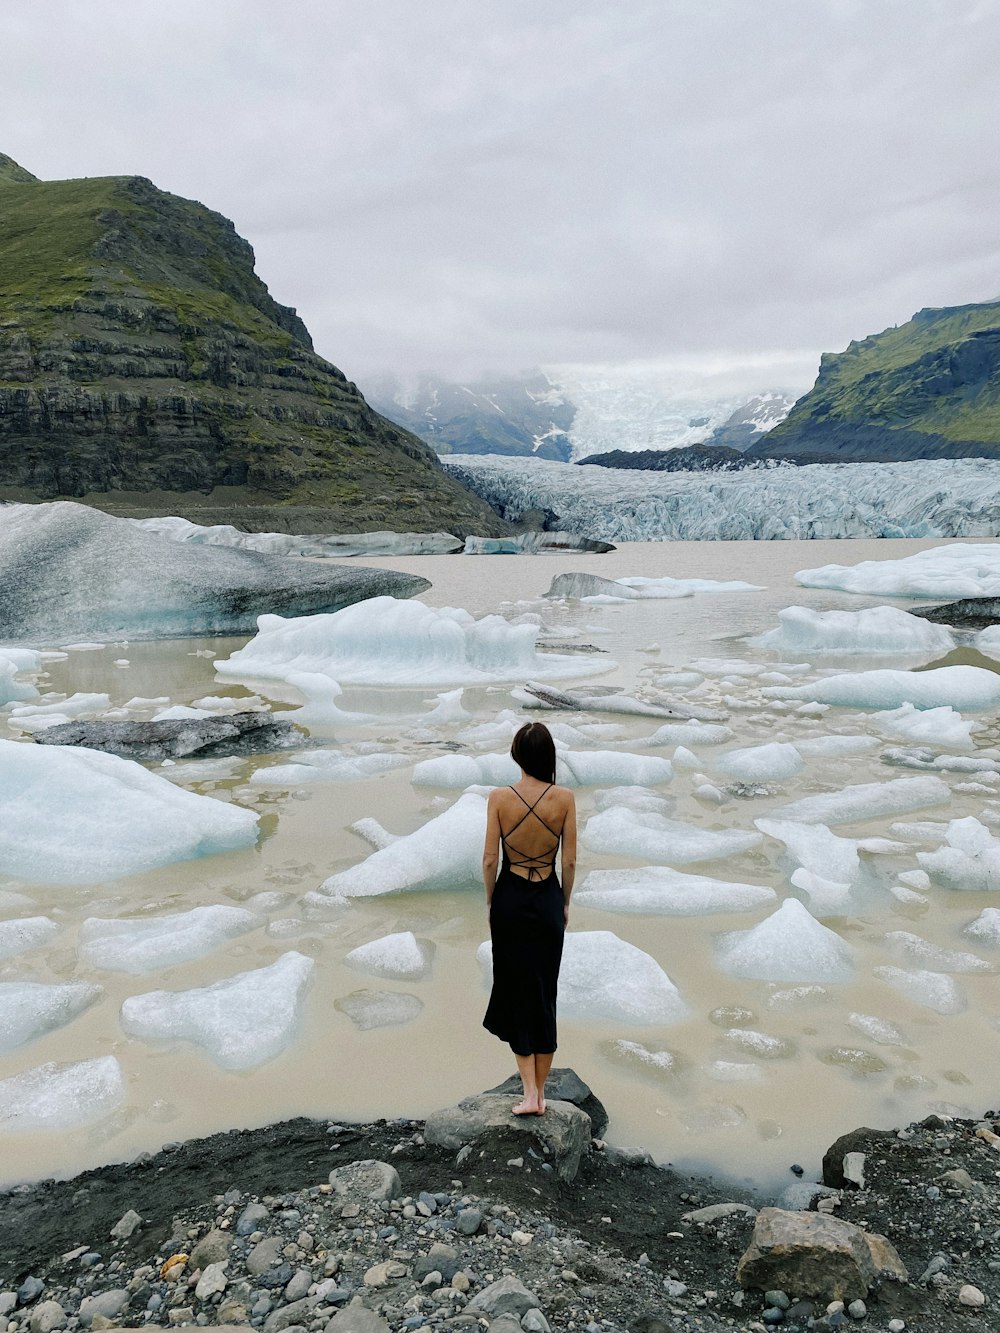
(528, 907)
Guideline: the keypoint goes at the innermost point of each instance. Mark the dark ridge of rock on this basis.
(215, 736)
(689, 458)
(536, 543)
(966, 613)
(857, 1140)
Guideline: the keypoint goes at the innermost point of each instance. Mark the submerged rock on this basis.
(214, 736)
(67, 570)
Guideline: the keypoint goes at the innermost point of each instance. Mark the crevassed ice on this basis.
(944, 571)
(328, 766)
(957, 686)
(874, 631)
(401, 955)
(790, 945)
(241, 1022)
(77, 816)
(387, 641)
(574, 768)
(661, 891)
(604, 978)
(28, 1008)
(933, 990)
(24, 933)
(864, 801)
(61, 1096)
(931, 726)
(773, 762)
(652, 837)
(149, 943)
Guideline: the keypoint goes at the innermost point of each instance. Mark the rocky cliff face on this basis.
(146, 369)
(927, 389)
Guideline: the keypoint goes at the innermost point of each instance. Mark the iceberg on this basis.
(53, 556)
(943, 726)
(875, 631)
(642, 835)
(325, 545)
(241, 1022)
(581, 768)
(328, 766)
(445, 853)
(933, 990)
(660, 891)
(866, 800)
(790, 945)
(24, 933)
(15, 663)
(385, 641)
(944, 571)
(401, 957)
(986, 927)
(147, 944)
(774, 762)
(957, 686)
(28, 1009)
(448, 709)
(61, 1096)
(970, 862)
(593, 588)
(77, 816)
(605, 979)
(815, 848)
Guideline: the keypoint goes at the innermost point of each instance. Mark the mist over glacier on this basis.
(925, 498)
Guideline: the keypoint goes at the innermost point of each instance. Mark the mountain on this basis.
(751, 421)
(146, 369)
(929, 388)
(518, 417)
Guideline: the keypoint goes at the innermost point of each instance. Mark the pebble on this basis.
(248, 1220)
(777, 1298)
(972, 1297)
(896, 1325)
(857, 1309)
(674, 1289)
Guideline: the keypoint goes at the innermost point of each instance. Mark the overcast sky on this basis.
(488, 185)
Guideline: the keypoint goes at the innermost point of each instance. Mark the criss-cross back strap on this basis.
(535, 864)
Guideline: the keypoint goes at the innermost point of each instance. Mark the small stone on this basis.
(367, 1181)
(30, 1290)
(171, 1268)
(249, 1219)
(127, 1225)
(213, 1248)
(772, 1315)
(46, 1317)
(522, 1237)
(299, 1285)
(461, 1281)
(515, 1161)
(972, 1297)
(674, 1289)
(289, 1316)
(264, 1256)
(507, 1296)
(212, 1282)
(534, 1322)
(896, 1325)
(380, 1275)
(468, 1222)
(108, 1304)
(854, 1169)
(778, 1298)
(232, 1312)
(433, 1279)
(8, 1300)
(182, 1314)
(857, 1309)
(357, 1319)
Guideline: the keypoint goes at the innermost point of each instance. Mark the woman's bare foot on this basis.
(529, 1106)
(541, 1107)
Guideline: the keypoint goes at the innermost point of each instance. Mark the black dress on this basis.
(527, 926)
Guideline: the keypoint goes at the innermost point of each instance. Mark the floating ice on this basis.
(876, 1029)
(604, 978)
(321, 708)
(815, 848)
(14, 663)
(957, 686)
(762, 763)
(790, 945)
(27, 1009)
(930, 726)
(918, 950)
(667, 587)
(827, 897)
(635, 1055)
(660, 891)
(582, 768)
(448, 709)
(61, 1096)
(36, 716)
(986, 927)
(466, 770)
(634, 798)
(77, 816)
(385, 641)
(873, 632)
(867, 800)
(759, 1044)
(241, 1022)
(146, 944)
(27, 932)
(924, 758)
(401, 956)
(289, 544)
(689, 733)
(369, 1009)
(328, 766)
(834, 747)
(619, 831)
(732, 1071)
(944, 571)
(446, 853)
(970, 862)
(933, 990)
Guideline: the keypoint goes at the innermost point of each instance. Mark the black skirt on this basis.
(527, 927)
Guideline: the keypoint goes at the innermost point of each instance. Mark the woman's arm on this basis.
(568, 854)
(491, 851)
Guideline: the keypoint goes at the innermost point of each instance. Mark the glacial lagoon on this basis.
(797, 971)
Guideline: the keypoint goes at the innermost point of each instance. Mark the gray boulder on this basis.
(357, 1319)
(575, 586)
(68, 571)
(815, 1255)
(367, 1181)
(509, 1296)
(110, 1304)
(486, 1125)
(966, 613)
(214, 736)
(562, 1085)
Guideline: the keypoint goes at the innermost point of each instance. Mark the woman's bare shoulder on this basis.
(565, 796)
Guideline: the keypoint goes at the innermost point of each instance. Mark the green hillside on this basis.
(929, 388)
(145, 368)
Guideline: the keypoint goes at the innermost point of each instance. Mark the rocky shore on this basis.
(529, 1224)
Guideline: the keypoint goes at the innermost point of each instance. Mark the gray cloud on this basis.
(460, 187)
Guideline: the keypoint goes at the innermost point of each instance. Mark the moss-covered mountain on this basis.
(146, 369)
(929, 388)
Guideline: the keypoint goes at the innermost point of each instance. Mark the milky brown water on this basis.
(795, 1104)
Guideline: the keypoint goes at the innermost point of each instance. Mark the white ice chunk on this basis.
(689, 733)
(448, 709)
(684, 758)
(660, 891)
(866, 800)
(834, 747)
(146, 944)
(369, 1009)
(27, 1008)
(24, 933)
(970, 862)
(70, 815)
(574, 768)
(929, 726)
(445, 853)
(15, 663)
(604, 978)
(634, 798)
(917, 950)
(876, 631)
(774, 762)
(388, 641)
(815, 848)
(790, 945)
(958, 686)
(401, 956)
(986, 927)
(328, 766)
(177, 713)
(827, 897)
(61, 1097)
(934, 990)
(241, 1022)
(876, 1029)
(732, 1071)
(619, 831)
(944, 571)
(466, 770)
(670, 588)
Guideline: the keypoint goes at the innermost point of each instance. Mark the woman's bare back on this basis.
(532, 818)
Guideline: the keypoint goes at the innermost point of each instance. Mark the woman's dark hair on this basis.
(534, 750)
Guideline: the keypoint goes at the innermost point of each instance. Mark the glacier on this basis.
(925, 498)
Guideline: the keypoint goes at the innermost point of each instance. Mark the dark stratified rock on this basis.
(562, 1085)
(967, 613)
(858, 1140)
(68, 571)
(487, 1126)
(536, 543)
(214, 736)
